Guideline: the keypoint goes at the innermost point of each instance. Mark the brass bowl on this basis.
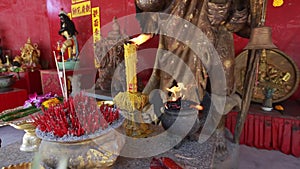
(19, 166)
(99, 152)
(23, 125)
(6, 81)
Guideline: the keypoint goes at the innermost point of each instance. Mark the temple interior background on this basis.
(38, 21)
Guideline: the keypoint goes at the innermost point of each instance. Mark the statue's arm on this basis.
(147, 20)
(238, 21)
(218, 11)
(234, 15)
(147, 13)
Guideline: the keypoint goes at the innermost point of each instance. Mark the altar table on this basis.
(31, 81)
(270, 130)
(13, 98)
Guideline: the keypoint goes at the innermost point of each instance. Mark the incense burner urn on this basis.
(180, 120)
(99, 152)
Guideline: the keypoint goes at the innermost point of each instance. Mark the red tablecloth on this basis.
(269, 130)
(12, 99)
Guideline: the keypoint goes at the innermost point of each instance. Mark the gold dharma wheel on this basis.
(275, 69)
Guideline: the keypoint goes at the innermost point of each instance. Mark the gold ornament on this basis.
(277, 3)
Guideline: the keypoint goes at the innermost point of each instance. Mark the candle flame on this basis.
(176, 91)
(142, 38)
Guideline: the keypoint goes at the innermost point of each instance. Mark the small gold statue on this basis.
(30, 55)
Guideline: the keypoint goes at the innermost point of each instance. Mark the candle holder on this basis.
(30, 141)
(132, 105)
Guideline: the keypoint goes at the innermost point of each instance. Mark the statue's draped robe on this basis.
(200, 63)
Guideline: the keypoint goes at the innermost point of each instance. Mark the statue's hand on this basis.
(131, 101)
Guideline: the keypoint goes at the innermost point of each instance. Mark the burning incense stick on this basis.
(130, 57)
(59, 75)
(65, 78)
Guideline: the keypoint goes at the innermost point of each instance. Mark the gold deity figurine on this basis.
(30, 55)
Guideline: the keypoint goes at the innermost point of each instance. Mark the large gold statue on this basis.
(217, 19)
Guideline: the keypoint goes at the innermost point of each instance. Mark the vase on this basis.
(99, 152)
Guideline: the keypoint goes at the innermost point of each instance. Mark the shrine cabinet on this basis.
(30, 81)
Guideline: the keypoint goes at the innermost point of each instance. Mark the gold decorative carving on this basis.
(275, 69)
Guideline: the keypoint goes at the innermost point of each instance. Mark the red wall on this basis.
(108, 10)
(20, 19)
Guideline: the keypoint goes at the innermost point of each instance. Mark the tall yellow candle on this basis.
(130, 58)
